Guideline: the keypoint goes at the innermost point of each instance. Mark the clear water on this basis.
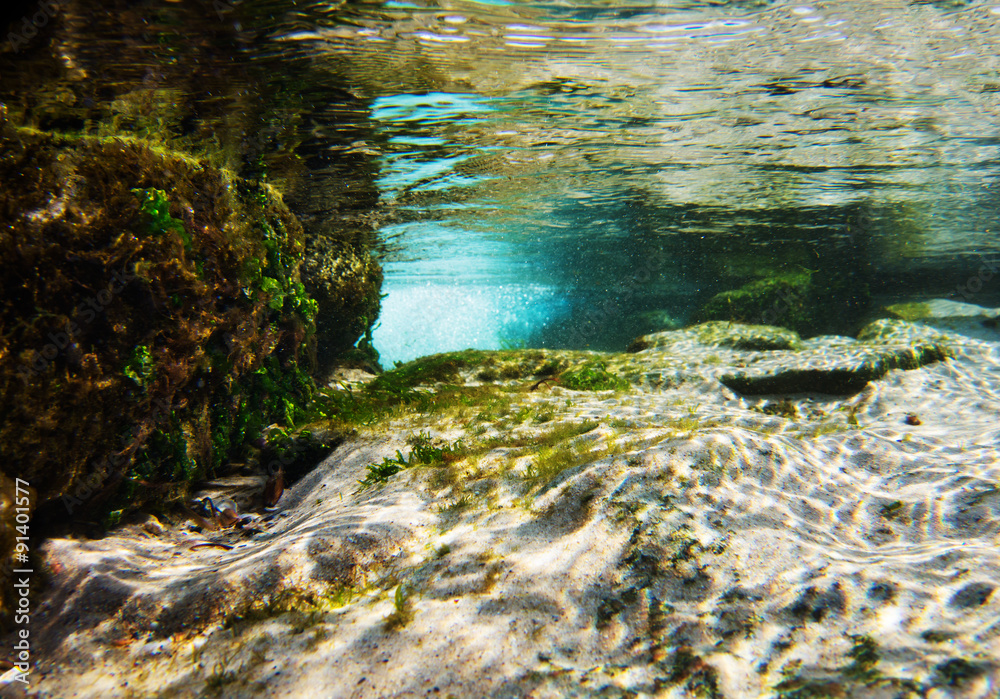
(531, 155)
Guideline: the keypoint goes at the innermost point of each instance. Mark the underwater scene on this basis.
(496, 348)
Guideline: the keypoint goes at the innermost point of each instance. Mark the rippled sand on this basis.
(699, 544)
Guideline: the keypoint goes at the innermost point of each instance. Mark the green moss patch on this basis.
(910, 311)
(155, 319)
(780, 298)
(592, 376)
(742, 336)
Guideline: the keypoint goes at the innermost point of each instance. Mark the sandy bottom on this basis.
(698, 544)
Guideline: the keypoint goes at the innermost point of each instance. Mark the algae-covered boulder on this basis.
(829, 300)
(345, 282)
(839, 366)
(153, 319)
(778, 299)
(946, 315)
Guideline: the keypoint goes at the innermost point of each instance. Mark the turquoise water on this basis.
(531, 155)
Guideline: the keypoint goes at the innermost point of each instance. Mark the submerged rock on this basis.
(788, 298)
(784, 363)
(945, 315)
(843, 371)
(155, 319)
(739, 336)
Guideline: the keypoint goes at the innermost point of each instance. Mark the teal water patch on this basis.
(420, 163)
(421, 319)
(407, 170)
(430, 106)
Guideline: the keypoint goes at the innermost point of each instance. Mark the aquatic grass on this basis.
(423, 451)
(529, 442)
(592, 376)
(305, 603)
(402, 612)
(379, 474)
(554, 460)
(216, 682)
(824, 428)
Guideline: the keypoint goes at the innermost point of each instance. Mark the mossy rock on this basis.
(742, 336)
(739, 336)
(345, 281)
(910, 311)
(780, 299)
(154, 319)
(483, 365)
(832, 368)
(894, 331)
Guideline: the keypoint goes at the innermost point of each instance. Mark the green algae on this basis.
(699, 678)
(402, 612)
(955, 672)
(783, 295)
(151, 324)
(592, 376)
(910, 311)
(864, 658)
(746, 336)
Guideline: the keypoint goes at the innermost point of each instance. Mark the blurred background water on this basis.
(574, 174)
(534, 158)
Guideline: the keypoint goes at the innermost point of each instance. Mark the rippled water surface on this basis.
(533, 152)
(577, 173)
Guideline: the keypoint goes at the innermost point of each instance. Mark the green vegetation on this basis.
(956, 672)
(745, 336)
(423, 452)
(553, 452)
(140, 366)
(379, 474)
(910, 311)
(309, 606)
(698, 677)
(592, 376)
(891, 510)
(551, 461)
(862, 672)
(168, 325)
(864, 657)
(216, 682)
(155, 209)
(781, 298)
(783, 408)
(402, 612)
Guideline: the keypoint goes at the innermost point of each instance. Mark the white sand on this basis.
(708, 549)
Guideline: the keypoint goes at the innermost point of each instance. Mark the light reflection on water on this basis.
(573, 137)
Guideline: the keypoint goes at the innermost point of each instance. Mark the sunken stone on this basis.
(838, 366)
